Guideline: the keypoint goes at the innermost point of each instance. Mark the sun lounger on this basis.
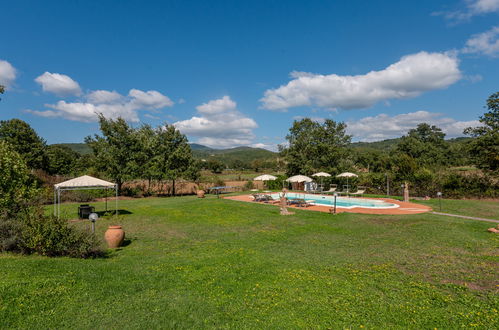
(299, 202)
(359, 192)
(263, 198)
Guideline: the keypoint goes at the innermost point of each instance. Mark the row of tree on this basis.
(314, 146)
(159, 154)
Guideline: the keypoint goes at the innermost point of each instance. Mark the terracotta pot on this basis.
(200, 193)
(114, 236)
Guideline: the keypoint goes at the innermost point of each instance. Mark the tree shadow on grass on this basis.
(120, 212)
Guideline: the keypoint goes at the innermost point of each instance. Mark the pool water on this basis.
(342, 202)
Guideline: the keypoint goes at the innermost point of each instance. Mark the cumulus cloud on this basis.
(409, 77)
(110, 104)
(219, 124)
(59, 84)
(486, 43)
(470, 9)
(103, 97)
(382, 126)
(7, 74)
(149, 99)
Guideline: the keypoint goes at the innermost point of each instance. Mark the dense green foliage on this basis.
(484, 148)
(118, 151)
(61, 160)
(214, 263)
(49, 236)
(16, 185)
(25, 141)
(124, 153)
(23, 226)
(313, 145)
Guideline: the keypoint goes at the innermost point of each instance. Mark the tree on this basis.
(25, 141)
(172, 155)
(2, 90)
(314, 146)
(215, 165)
(426, 145)
(16, 185)
(61, 160)
(484, 148)
(118, 151)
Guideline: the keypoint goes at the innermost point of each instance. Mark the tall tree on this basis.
(117, 152)
(426, 145)
(172, 155)
(61, 160)
(484, 148)
(25, 141)
(314, 146)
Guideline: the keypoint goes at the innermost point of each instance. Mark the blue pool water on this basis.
(343, 202)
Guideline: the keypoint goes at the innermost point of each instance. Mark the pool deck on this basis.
(404, 208)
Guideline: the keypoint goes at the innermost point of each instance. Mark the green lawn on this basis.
(215, 263)
(472, 208)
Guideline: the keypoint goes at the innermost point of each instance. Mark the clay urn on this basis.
(114, 236)
(200, 193)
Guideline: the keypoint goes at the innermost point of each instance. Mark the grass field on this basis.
(215, 263)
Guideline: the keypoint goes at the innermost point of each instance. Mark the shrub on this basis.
(248, 185)
(50, 236)
(17, 187)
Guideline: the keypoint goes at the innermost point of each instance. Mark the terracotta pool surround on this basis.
(404, 208)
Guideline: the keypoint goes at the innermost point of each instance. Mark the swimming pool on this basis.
(341, 202)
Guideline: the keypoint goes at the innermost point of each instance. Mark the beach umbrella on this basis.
(321, 174)
(299, 178)
(265, 177)
(347, 175)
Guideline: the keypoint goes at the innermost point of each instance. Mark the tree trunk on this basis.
(173, 187)
(119, 184)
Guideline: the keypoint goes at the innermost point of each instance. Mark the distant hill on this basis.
(378, 145)
(387, 145)
(81, 148)
(245, 154)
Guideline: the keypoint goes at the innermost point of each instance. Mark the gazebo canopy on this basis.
(299, 178)
(82, 182)
(85, 181)
(265, 177)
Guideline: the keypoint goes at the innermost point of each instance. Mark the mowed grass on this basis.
(214, 263)
(482, 209)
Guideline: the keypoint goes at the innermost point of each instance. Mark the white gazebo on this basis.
(81, 183)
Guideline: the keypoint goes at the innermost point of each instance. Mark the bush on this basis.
(248, 185)
(50, 236)
(17, 187)
(278, 183)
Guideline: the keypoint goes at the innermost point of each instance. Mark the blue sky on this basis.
(231, 73)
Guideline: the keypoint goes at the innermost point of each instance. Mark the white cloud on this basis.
(382, 126)
(272, 147)
(7, 74)
(59, 84)
(409, 77)
(472, 8)
(149, 99)
(486, 43)
(110, 104)
(219, 124)
(103, 97)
